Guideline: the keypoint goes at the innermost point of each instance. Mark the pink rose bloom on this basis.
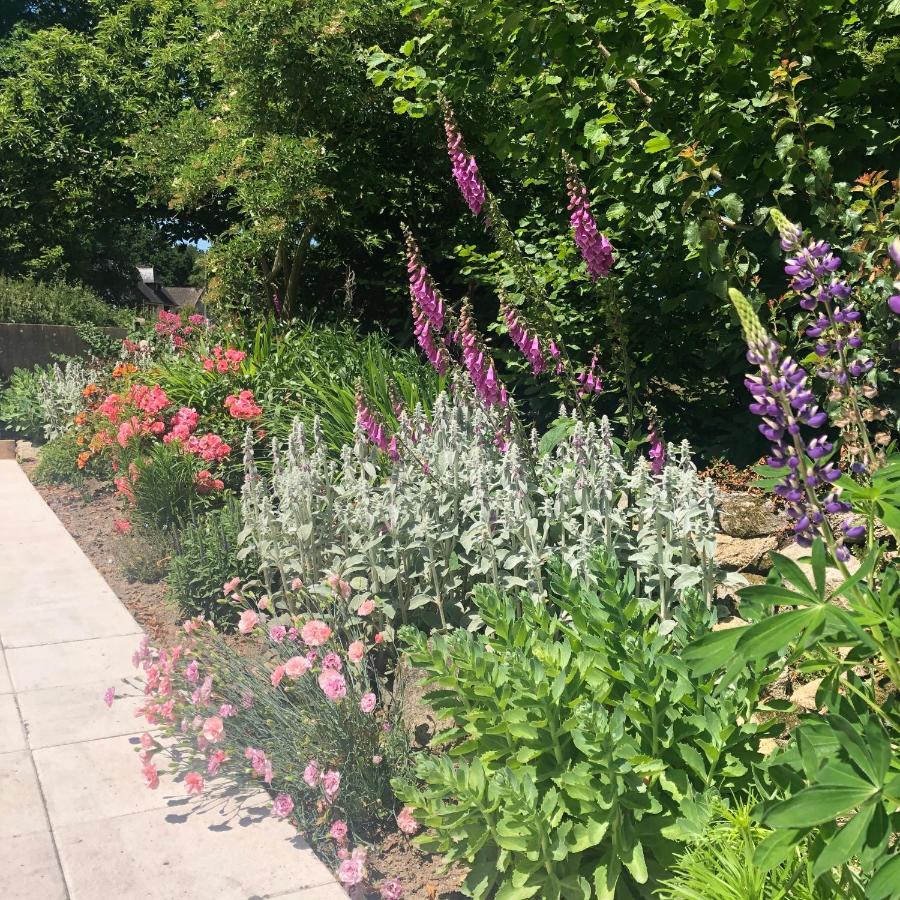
(311, 773)
(332, 661)
(356, 651)
(282, 806)
(339, 831)
(366, 607)
(194, 782)
(151, 776)
(277, 675)
(351, 872)
(333, 685)
(213, 728)
(109, 696)
(367, 702)
(192, 671)
(231, 585)
(296, 584)
(331, 784)
(214, 761)
(405, 821)
(248, 621)
(277, 633)
(297, 666)
(391, 890)
(315, 632)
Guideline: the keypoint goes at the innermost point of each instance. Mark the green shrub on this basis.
(580, 743)
(20, 405)
(58, 462)
(164, 490)
(720, 865)
(55, 303)
(204, 558)
(145, 555)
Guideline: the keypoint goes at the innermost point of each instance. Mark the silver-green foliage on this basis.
(60, 397)
(457, 509)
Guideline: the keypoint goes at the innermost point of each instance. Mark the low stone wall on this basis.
(24, 346)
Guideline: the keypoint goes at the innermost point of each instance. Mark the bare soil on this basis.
(88, 514)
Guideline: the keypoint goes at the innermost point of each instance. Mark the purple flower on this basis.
(589, 381)
(894, 301)
(657, 452)
(420, 284)
(595, 249)
(465, 169)
(372, 428)
(478, 362)
(783, 400)
(527, 341)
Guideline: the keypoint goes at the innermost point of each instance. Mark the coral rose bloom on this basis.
(315, 633)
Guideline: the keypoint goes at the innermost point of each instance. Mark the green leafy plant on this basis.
(55, 303)
(165, 490)
(580, 746)
(20, 406)
(58, 462)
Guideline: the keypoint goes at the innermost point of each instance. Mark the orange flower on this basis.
(80, 419)
(80, 440)
(83, 458)
(90, 390)
(123, 369)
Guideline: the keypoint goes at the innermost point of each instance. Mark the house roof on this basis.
(182, 297)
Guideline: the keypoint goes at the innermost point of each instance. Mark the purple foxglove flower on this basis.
(894, 301)
(596, 250)
(465, 169)
(589, 381)
(657, 452)
(421, 285)
(372, 428)
(527, 341)
(478, 363)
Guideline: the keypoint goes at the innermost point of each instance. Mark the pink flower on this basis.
(264, 602)
(296, 584)
(147, 742)
(315, 632)
(392, 890)
(332, 661)
(231, 585)
(282, 806)
(405, 821)
(226, 710)
(376, 759)
(338, 585)
(311, 773)
(351, 872)
(277, 675)
(333, 685)
(194, 782)
(356, 651)
(242, 406)
(209, 447)
(248, 621)
(213, 728)
(109, 696)
(367, 703)
(277, 633)
(192, 671)
(366, 607)
(331, 784)
(297, 666)
(121, 526)
(339, 831)
(151, 776)
(214, 761)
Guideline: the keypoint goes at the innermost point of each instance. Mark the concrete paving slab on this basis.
(143, 855)
(78, 662)
(29, 869)
(69, 715)
(5, 683)
(22, 807)
(95, 780)
(74, 620)
(12, 735)
(323, 892)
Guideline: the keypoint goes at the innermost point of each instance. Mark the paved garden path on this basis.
(75, 818)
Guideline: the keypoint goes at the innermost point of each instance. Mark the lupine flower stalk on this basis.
(894, 301)
(465, 169)
(781, 396)
(595, 248)
(814, 276)
(478, 361)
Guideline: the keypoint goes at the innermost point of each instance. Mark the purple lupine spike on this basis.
(894, 301)
(421, 285)
(596, 250)
(528, 343)
(478, 363)
(813, 269)
(465, 169)
(277, 304)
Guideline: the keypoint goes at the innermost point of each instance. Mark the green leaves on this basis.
(657, 143)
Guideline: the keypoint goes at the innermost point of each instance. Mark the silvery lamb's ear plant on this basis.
(456, 507)
(581, 748)
(60, 397)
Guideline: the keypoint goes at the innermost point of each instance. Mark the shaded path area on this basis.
(75, 818)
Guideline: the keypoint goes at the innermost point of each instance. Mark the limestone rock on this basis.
(805, 695)
(748, 515)
(736, 553)
(730, 622)
(834, 578)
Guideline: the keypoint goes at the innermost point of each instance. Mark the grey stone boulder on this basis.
(748, 515)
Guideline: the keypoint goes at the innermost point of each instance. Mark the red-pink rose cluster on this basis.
(182, 425)
(209, 447)
(242, 406)
(206, 483)
(223, 360)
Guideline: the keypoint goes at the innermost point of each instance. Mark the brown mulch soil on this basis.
(88, 514)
